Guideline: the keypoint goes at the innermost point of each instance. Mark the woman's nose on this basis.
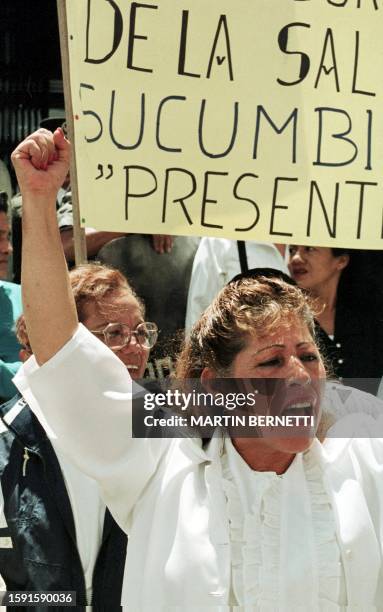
(133, 346)
(6, 247)
(296, 256)
(297, 373)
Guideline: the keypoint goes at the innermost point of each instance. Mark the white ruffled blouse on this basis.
(284, 551)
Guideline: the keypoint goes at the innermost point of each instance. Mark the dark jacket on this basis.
(40, 523)
(355, 355)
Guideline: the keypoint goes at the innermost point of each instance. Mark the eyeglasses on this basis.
(118, 335)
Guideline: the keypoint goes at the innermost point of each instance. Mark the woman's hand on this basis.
(41, 162)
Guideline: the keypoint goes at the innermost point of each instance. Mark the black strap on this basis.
(241, 244)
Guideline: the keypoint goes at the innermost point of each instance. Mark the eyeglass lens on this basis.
(118, 335)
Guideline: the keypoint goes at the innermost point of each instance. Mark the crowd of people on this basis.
(261, 521)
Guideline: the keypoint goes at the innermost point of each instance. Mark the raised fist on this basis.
(41, 162)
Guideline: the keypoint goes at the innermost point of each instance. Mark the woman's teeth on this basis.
(299, 409)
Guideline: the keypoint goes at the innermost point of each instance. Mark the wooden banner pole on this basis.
(78, 231)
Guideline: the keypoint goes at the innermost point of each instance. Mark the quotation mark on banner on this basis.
(101, 171)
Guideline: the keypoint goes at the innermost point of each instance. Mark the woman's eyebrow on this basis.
(298, 345)
(99, 326)
(265, 348)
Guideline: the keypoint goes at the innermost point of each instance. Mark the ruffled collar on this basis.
(284, 550)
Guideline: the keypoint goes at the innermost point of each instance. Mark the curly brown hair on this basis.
(244, 307)
(91, 283)
(94, 283)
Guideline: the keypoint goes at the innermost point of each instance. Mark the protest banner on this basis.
(251, 119)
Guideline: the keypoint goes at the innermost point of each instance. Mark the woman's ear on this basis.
(207, 374)
(208, 377)
(24, 354)
(343, 261)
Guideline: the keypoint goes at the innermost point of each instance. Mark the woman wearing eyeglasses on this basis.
(58, 534)
(261, 522)
(116, 317)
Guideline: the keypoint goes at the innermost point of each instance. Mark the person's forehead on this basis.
(121, 308)
(324, 251)
(124, 301)
(4, 224)
(290, 332)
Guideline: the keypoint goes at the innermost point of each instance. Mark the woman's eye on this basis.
(271, 362)
(141, 330)
(309, 357)
(114, 334)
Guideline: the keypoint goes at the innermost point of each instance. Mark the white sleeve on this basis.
(342, 400)
(205, 282)
(82, 397)
(353, 413)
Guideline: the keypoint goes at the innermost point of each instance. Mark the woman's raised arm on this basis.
(41, 162)
(82, 394)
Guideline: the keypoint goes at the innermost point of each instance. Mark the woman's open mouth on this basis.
(299, 409)
(132, 369)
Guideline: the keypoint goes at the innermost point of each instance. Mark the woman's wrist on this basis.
(39, 199)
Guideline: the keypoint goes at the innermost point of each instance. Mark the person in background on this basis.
(5, 241)
(5, 180)
(217, 261)
(56, 533)
(350, 318)
(10, 309)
